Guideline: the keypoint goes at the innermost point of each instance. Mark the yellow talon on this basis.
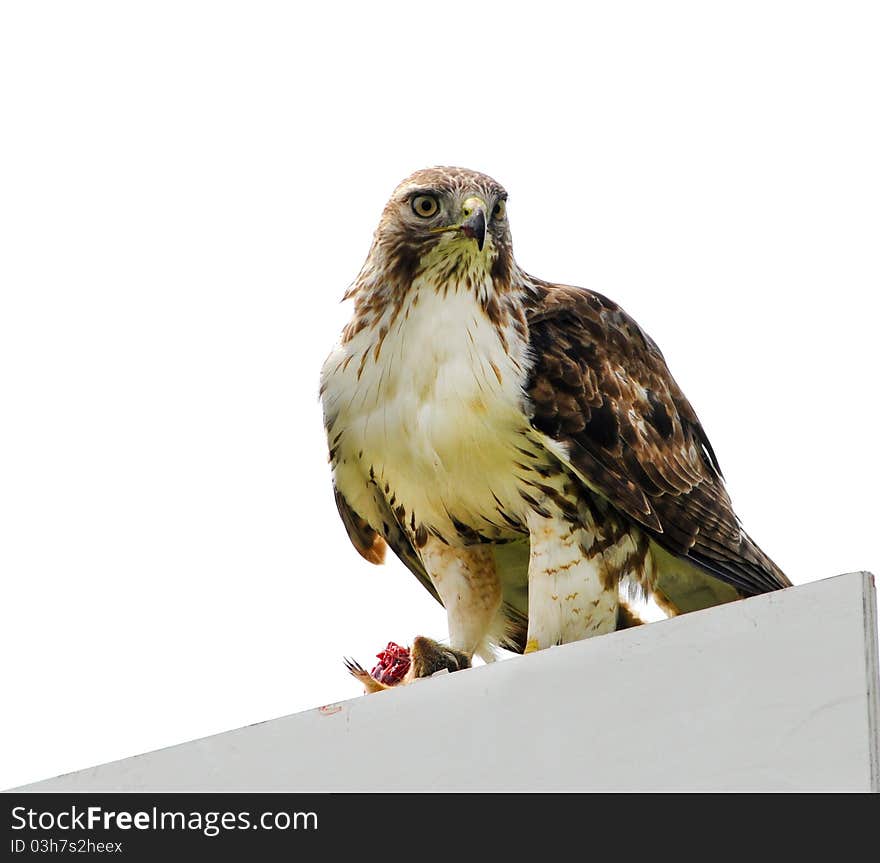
(531, 646)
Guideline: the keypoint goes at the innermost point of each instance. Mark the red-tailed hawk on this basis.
(520, 445)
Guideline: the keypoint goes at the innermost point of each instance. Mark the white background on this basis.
(186, 190)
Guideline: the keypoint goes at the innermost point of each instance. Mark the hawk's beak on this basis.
(474, 224)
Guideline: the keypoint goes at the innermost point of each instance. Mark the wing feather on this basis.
(601, 387)
(372, 547)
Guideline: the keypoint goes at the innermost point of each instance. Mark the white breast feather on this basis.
(437, 415)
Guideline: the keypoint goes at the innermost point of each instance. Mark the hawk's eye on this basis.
(425, 206)
(499, 210)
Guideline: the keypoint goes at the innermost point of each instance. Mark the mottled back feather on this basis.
(600, 386)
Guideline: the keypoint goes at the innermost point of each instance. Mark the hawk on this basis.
(520, 445)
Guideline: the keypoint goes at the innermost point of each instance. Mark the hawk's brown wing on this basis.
(601, 387)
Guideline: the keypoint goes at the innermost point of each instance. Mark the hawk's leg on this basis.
(569, 594)
(470, 589)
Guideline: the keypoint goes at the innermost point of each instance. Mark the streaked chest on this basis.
(430, 405)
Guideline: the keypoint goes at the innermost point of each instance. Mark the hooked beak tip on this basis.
(475, 226)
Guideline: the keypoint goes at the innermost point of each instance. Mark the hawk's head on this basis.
(449, 224)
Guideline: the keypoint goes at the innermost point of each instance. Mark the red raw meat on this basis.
(393, 664)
